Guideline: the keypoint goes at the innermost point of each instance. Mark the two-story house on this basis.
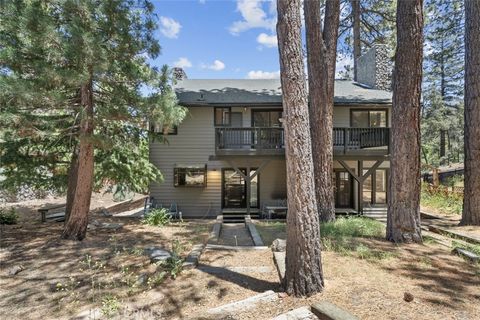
(228, 155)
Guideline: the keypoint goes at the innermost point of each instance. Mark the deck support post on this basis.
(360, 186)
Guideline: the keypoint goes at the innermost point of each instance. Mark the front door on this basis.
(375, 188)
(234, 189)
(343, 183)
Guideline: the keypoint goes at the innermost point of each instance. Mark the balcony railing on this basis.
(360, 138)
(267, 139)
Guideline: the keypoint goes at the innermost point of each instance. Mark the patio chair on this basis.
(173, 211)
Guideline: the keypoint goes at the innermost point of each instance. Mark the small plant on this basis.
(8, 216)
(156, 280)
(473, 248)
(157, 217)
(174, 264)
(110, 306)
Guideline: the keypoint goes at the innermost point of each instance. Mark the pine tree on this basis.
(442, 133)
(321, 56)
(303, 275)
(73, 73)
(403, 219)
(471, 200)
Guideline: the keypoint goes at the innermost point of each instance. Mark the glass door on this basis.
(343, 183)
(235, 189)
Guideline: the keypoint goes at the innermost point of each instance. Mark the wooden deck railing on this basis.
(269, 138)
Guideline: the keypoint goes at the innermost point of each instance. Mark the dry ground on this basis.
(62, 278)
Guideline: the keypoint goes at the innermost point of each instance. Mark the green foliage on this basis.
(439, 198)
(110, 306)
(48, 50)
(8, 216)
(157, 217)
(352, 227)
(173, 265)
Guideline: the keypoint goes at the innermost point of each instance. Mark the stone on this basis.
(104, 225)
(408, 297)
(279, 259)
(279, 245)
(142, 279)
(302, 313)
(157, 254)
(467, 254)
(15, 270)
(327, 311)
(242, 305)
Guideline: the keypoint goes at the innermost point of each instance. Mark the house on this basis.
(228, 155)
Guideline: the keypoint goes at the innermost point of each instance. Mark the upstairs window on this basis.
(368, 118)
(223, 117)
(195, 177)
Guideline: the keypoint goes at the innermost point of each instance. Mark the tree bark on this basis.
(76, 226)
(304, 275)
(357, 46)
(471, 199)
(321, 58)
(403, 221)
(72, 183)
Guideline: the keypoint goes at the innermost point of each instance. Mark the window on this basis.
(190, 177)
(223, 117)
(368, 118)
(158, 128)
(267, 118)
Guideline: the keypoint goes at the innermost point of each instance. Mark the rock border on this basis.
(279, 260)
(257, 240)
(217, 228)
(191, 261)
(242, 305)
(327, 311)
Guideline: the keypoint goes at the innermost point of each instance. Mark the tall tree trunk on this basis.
(357, 45)
(471, 200)
(403, 221)
(76, 226)
(304, 275)
(72, 183)
(321, 54)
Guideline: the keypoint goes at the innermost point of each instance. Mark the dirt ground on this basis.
(61, 278)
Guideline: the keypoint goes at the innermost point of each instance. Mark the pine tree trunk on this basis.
(321, 74)
(76, 226)
(403, 221)
(303, 254)
(72, 183)
(357, 46)
(471, 200)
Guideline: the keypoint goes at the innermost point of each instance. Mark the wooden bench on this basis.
(44, 210)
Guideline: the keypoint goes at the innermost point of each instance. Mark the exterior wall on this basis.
(195, 143)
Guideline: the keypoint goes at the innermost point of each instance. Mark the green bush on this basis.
(442, 200)
(157, 217)
(8, 216)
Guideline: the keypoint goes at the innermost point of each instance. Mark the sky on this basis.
(218, 38)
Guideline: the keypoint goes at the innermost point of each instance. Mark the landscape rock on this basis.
(15, 270)
(279, 245)
(104, 225)
(157, 254)
(142, 279)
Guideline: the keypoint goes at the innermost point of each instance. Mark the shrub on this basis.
(157, 217)
(443, 200)
(173, 265)
(8, 216)
(352, 227)
(110, 306)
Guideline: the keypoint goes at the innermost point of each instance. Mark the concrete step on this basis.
(244, 305)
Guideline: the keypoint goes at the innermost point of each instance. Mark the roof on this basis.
(198, 92)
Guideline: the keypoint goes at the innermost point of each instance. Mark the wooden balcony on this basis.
(270, 141)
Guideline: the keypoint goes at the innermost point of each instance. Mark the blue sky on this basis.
(218, 39)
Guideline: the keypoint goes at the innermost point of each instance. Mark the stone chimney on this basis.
(179, 74)
(374, 68)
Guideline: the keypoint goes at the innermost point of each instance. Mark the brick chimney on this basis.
(374, 68)
(179, 74)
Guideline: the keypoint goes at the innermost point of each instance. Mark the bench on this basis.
(44, 210)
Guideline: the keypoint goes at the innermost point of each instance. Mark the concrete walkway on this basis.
(235, 234)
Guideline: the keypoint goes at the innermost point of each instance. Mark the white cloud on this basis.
(183, 63)
(169, 27)
(217, 65)
(254, 16)
(266, 40)
(201, 1)
(259, 74)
